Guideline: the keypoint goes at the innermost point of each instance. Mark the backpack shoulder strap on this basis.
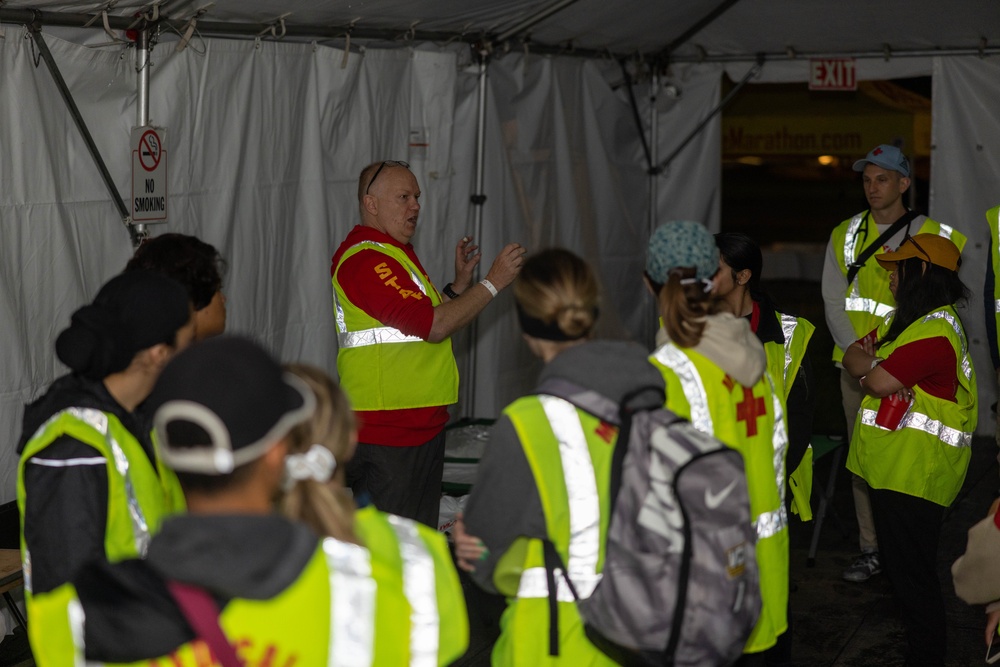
(202, 615)
(866, 254)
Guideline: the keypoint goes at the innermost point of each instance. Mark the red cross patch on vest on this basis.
(750, 410)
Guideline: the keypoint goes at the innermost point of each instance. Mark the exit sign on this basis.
(832, 74)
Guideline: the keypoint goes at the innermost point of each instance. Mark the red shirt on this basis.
(359, 279)
(929, 363)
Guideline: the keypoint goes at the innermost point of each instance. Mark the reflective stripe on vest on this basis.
(534, 584)
(99, 422)
(921, 422)
(862, 305)
(421, 592)
(671, 357)
(375, 336)
(854, 302)
(767, 523)
(917, 420)
(771, 523)
(996, 305)
(379, 335)
(584, 507)
(77, 619)
(947, 317)
(352, 610)
(788, 324)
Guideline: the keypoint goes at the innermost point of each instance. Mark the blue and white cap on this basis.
(887, 157)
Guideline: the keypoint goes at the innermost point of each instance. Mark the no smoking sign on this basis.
(149, 174)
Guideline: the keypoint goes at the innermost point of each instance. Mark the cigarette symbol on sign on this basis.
(149, 150)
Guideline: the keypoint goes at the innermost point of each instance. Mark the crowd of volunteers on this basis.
(186, 498)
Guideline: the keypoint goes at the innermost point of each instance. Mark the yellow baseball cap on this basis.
(928, 247)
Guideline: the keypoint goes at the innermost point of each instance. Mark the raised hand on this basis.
(507, 265)
(467, 256)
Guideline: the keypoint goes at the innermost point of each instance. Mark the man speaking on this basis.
(395, 357)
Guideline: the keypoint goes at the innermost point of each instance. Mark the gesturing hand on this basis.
(467, 256)
(507, 265)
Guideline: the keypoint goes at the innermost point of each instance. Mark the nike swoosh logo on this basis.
(713, 500)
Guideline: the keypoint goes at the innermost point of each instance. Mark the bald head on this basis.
(388, 197)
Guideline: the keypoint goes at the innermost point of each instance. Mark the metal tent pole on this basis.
(293, 30)
(654, 176)
(478, 200)
(142, 104)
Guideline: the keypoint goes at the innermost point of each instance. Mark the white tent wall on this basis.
(61, 237)
(563, 169)
(264, 144)
(263, 150)
(965, 182)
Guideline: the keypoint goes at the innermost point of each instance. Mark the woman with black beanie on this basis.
(89, 482)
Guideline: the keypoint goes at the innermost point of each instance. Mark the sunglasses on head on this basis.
(386, 163)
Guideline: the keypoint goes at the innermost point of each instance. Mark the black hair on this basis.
(132, 312)
(196, 265)
(920, 291)
(741, 252)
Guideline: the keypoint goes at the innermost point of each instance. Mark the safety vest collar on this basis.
(850, 250)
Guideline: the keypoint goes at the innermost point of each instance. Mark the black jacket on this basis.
(66, 507)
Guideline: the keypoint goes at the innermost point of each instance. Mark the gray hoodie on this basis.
(728, 342)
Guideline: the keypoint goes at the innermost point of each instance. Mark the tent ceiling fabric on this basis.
(626, 26)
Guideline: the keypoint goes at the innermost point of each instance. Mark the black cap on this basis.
(224, 402)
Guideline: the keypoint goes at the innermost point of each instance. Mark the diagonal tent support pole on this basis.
(664, 53)
(752, 72)
(116, 198)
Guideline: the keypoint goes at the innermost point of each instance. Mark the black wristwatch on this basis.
(449, 292)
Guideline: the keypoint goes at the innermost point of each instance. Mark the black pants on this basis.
(908, 530)
(400, 480)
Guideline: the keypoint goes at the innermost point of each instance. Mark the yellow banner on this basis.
(787, 134)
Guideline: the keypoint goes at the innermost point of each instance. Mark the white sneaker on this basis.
(863, 568)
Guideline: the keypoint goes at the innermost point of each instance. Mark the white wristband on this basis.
(488, 285)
